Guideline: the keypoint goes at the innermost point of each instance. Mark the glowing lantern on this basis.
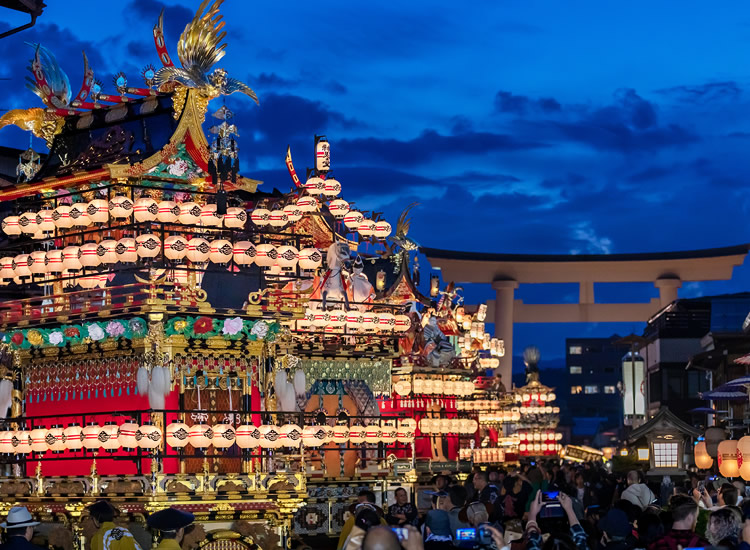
(190, 213)
(38, 438)
(310, 258)
(7, 269)
(73, 436)
(357, 434)
(337, 318)
(270, 438)
(293, 214)
(322, 154)
(243, 253)
(315, 185)
(210, 216)
(386, 321)
(743, 457)
(248, 436)
(354, 319)
(126, 250)
(340, 434)
(265, 255)
(291, 436)
(353, 219)
(55, 439)
(224, 436)
(145, 209)
(200, 436)
(38, 262)
(11, 227)
(79, 215)
(373, 434)
(389, 431)
(110, 436)
(127, 435)
(120, 207)
(177, 435)
(107, 251)
(369, 321)
(235, 217)
(90, 435)
(313, 436)
(175, 247)
(307, 204)
(27, 222)
(22, 264)
(21, 440)
(89, 256)
(382, 229)
(713, 437)
(402, 323)
(221, 251)
(147, 245)
(278, 218)
(149, 436)
(61, 216)
(260, 217)
(287, 256)
(167, 211)
(332, 187)
(198, 250)
(339, 208)
(727, 458)
(98, 211)
(45, 222)
(406, 430)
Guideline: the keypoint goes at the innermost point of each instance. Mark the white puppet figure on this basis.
(334, 283)
(360, 290)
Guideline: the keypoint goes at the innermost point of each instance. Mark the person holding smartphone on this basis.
(534, 533)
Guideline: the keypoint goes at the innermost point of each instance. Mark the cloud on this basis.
(507, 102)
(704, 93)
(142, 13)
(591, 242)
(650, 173)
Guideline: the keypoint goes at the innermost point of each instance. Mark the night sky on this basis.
(529, 127)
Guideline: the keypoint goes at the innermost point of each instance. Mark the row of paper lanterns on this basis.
(448, 426)
(92, 437)
(504, 416)
(733, 457)
(528, 448)
(482, 405)
(539, 410)
(539, 436)
(355, 320)
(484, 455)
(430, 386)
(528, 398)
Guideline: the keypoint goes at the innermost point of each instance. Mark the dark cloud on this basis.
(507, 102)
(650, 173)
(474, 176)
(564, 182)
(704, 93)
(271, 81)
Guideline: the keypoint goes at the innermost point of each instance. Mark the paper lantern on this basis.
(341, 434)
(175, 247)
(270, 438)
(190, 213)
(149, 436)
(147, 245)
(21, 441)
(291, 436)
(200, 436)
(110, 436)
(126, 250)
(127, 435)
(278, 218)
(221, 251)
(704, 461)
(73, 436)
(38, 261)
(45, 222)
(389, 431)
(386, 321)
(98, 211)
(224, 436)
(428, 425)
(307, 204)
(287, 256)
(743, 457)
(210, 216)
(10, 225)
(313, 436)
(373, 434)
(339, 208)
(727, 458)
(61, 216)
(107, 252)
(315, 185)
(337, 318)
(353, 219)
(382, 229)
(7, 269)
(265, 255)
(293, 213)
(713, 437)
(79, 215)
(243, 253)
(354, 319)
(27, 223)
(366, 228)
(145, 209)
(22, 266)
(168, 211)
(88, 255)
(120, 207)
(55, 439)
(38, 438)
(177, 434)
(90, 435)
(407, 427)
(248, 436)
(357, 434)
(198, 250)
(309, 258)
(332, 188)
(235, 217)
(260, 217)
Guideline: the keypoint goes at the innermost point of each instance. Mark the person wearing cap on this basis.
(171, 524)
(109, 536)
(616, 529)
(19, 530)
(437, 531)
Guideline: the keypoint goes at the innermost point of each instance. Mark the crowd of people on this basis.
(554, 506)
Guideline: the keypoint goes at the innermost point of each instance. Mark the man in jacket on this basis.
(108, 535)
(637, 493)
(682, 535)
(19, 530)
(171, 524)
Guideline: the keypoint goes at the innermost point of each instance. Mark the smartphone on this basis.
(466, 534)
(401, 532)
(701, 486)
(551, 510)
(479, 535)
(550, 496)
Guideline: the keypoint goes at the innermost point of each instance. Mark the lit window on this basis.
(642, 454)
(576, 370)
(576, 389)
(592, 389)
(609, 389)
(665, 455)
(575, 350)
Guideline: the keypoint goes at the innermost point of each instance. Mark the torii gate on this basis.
(667, 270)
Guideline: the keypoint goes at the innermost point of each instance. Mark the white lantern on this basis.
(73, 436)
(175, 247)
(45, 222)
(727, 458)
(354, 319)
(402, 323)
(168, 212)
(120, 207)
(357, 434)
(190, 213)
(198, 250)
(235, 217)
(200, 436)
(98, 211)
(406, 430)
(337, 318)
(310, 258)
(313, 436)
(79, 215)
(27, 222)
(38, 262)
(293, 213)
(110, 436)
(369, 321)
(353, 219)
(38, 438)
(332, 188)
(149, 436)
(22, 264)
(177, 435)
(224, 436)
(291, 436)
(107, 252)
(89, 255)
(55, 439)
(210, 216)
(243, 253)
(10, 226)
(339, 208)
(307, 204)
(61, 217)
(278, 218)
(287, 256)
(270, 438)
(147, 245)
(389, 431)
(21, 440)
(248, 436)
(260, 217)
(322, 155)
(265, 255)
(386, 321)
(382, 229)
(341, 434)
(221, 251)
(373, 434)
(127, 435)
(90, 435)
(126, 250)
(315, 185)
(145, 209)
(7, 269)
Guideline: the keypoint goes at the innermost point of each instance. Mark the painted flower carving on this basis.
(260, 329)
(232, 326)
(203, 325)
(115, 329)
(56, 338)
(179, 168)
(96, 332)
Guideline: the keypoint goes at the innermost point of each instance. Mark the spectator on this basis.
(383, 538)
(682, 534)
(650, 528)
(402, 512)
(108, 535)
(616, 531)
(19, 530)
(457, 500)
(724, 526)
(441, 483)
(437, 531)
(638, 493)
(365, 498)
(577, 539)
(488, 494)
(366, 518)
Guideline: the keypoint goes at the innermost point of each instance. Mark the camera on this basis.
(480, 536)
(402, 533)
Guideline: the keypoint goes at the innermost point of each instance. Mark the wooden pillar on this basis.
(504, 296)
(667, 289)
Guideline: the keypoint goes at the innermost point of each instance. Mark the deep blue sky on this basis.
(540, 127)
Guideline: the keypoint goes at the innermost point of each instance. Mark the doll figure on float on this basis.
(360, 291)
(334, 283)
(438, 350)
